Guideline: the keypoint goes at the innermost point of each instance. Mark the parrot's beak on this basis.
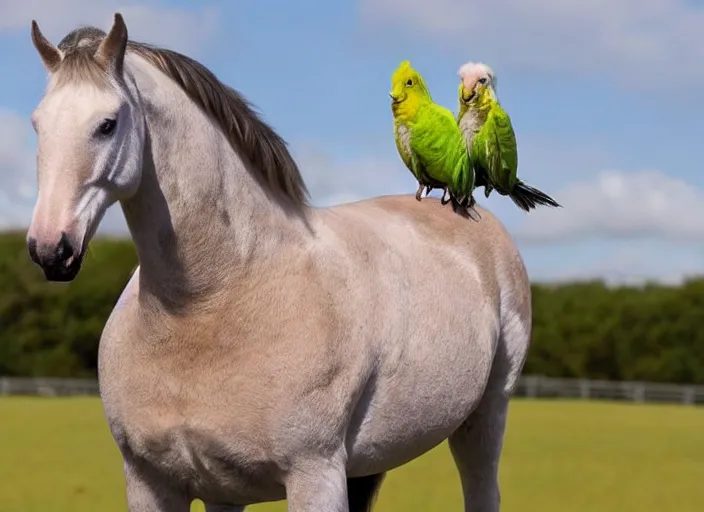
(394, 98)
(467, 95)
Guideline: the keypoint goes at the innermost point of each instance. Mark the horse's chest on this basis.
(211, 461)
(201, 437)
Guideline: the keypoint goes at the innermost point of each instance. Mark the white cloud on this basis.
(627, 263)
(179, 28)
(650, 44)
(621, 205)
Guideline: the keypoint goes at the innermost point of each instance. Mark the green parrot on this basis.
(429, 140)
(490, 138)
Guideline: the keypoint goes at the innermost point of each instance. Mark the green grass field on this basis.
(57, 455)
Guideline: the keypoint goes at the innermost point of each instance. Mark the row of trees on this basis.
(652, 333)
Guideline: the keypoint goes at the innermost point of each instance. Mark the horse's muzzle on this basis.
(60, 261)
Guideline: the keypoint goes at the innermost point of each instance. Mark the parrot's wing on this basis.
(479, 153)
(494, 150)
(434, 131)
(486, 153)
(476, 155)
(506, 142)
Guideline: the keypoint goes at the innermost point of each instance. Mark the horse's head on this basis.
(90, 131)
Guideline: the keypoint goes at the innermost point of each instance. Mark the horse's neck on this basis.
(199, 219)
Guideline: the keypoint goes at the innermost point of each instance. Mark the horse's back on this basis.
(432, 240)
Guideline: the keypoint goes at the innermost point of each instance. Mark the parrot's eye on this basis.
(482, 80)
(409, 82)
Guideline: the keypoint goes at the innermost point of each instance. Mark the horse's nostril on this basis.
(32, 249)
(64, 250)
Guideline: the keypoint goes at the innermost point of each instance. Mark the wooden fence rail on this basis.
(530, 386)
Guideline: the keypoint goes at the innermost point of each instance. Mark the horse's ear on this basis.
(111, 52)
(51, 56)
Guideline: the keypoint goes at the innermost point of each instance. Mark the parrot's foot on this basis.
(419, 192)
(446, 196)
(457, 206)
(468, 204)
(428, 189)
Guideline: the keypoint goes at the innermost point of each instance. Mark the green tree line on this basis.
(590, 330)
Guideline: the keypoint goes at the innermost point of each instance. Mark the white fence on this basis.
(47, 386)
(545, 387)
(530, 386)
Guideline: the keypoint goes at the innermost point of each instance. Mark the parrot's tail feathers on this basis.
(527, 197)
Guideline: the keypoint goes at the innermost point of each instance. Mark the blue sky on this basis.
(605, 98)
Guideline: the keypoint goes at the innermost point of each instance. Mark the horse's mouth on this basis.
(66, 272)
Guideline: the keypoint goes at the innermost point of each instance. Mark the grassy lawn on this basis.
(57, 454)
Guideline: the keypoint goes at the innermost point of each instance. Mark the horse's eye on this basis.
(107, 127)
(409, 82)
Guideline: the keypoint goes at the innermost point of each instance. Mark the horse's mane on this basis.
(274, 166)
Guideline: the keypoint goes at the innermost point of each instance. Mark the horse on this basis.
(265, 348)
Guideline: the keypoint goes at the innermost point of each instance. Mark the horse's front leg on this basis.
(147, 492)
(318, 484)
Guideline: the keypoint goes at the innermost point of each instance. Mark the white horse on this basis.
(266, 349)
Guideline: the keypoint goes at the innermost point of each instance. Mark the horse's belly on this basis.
(406, 411)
